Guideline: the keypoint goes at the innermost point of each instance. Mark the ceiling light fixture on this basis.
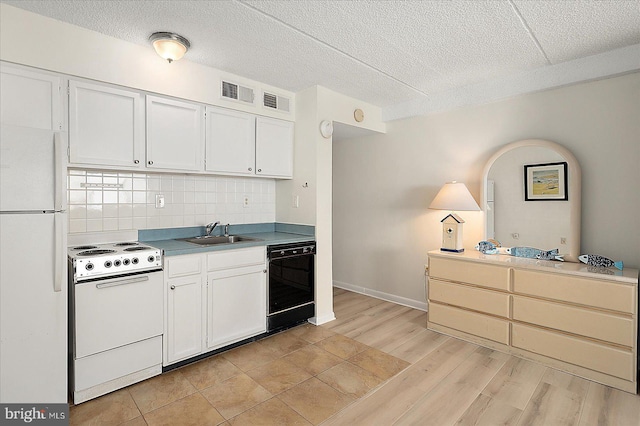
(169, 46)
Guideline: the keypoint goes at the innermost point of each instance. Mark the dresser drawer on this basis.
(584, 353)
(469, 297)
(568, 288)
(470, 322)
(470, 272)
(598, 325)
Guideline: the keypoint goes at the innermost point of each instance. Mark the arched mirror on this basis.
(531, 197)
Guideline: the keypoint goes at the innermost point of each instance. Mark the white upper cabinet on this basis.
(30, 99)
(119, 128)
(106, 126)
(274, 148)
(230, 141)
(175, 134)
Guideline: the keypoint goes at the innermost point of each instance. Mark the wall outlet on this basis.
(159, 201)
(245, 203)
(295, 203)
(563, 240)
(515, 236)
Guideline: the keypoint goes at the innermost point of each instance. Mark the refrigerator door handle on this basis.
(60, 179)
(59, 221)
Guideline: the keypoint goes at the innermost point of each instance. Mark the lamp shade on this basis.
(170, 46)
(454, 196)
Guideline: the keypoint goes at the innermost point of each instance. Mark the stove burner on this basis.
(95, 252)
(126, 244)
(138, 248)
(84, 247)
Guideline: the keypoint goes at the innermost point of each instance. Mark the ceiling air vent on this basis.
(236, 92)
(275, 102)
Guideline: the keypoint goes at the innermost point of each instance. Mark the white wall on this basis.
(38, 41)
(313, 166)
(41, 42)
(383, 184)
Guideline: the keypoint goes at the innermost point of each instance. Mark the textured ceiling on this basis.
(382, 52)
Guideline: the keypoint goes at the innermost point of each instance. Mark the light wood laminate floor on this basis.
(453, 382)
(376, 364)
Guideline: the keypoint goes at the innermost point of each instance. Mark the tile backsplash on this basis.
(110, 201)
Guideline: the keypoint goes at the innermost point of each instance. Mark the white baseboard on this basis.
(416, 304)
(322, 319)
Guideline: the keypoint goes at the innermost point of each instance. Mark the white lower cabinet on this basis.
(236, 305)
(183, 320)
(214, 306)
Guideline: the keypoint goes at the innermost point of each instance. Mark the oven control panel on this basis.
(291, 250)
(117, 263)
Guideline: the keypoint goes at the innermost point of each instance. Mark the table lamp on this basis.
(453, 196)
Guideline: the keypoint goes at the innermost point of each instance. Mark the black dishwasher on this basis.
(291, 289)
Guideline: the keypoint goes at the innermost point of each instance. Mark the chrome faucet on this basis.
(210, 227)
(226, 230)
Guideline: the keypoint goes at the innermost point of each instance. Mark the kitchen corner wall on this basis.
(190, 200)
(312, 181)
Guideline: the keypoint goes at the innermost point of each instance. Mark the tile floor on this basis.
(376, 364)
(302, 376)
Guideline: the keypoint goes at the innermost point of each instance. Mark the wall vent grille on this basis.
(229, 90)
(236, 92)
(270, 101)
(279, 103)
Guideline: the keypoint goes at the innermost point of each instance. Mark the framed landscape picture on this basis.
(545, 182)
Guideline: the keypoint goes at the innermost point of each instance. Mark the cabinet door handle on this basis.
(136, 161)
(150, 162)
(173, 287)
(265, 271)
(250, 169)
(259, 170)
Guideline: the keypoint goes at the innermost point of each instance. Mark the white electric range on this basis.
(115, 316)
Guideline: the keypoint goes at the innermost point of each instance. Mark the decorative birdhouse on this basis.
(452, 233)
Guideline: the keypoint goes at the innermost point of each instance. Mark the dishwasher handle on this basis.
(122, 282)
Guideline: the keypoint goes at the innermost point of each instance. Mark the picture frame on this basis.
(546, 182)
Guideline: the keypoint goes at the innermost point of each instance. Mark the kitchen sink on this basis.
(213, 240)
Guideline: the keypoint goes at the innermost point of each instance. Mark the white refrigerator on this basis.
(33, 266)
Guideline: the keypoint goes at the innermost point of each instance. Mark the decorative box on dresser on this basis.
(569, 316)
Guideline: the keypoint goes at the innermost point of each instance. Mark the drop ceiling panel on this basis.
(382, 52)
(573, 29)
(427, 44)
(352, 29)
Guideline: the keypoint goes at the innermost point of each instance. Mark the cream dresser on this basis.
(568, 316)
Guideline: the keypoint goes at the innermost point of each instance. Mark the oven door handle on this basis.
(122, 282)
